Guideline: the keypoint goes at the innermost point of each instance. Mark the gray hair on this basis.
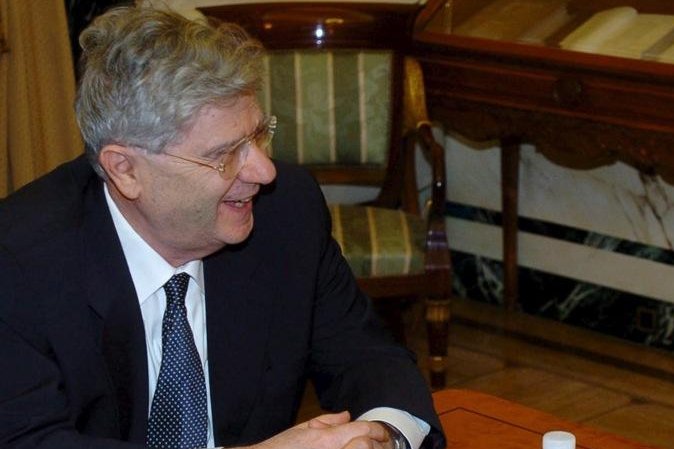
(147, 72)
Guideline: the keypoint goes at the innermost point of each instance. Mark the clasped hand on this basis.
(331, 431)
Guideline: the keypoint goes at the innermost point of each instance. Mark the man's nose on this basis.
(258, 167)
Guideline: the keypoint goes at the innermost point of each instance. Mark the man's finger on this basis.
(329, 420)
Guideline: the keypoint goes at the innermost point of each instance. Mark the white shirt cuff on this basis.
(412, 428)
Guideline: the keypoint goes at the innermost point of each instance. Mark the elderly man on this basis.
(141, 305)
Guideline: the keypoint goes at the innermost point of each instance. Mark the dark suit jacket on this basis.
(281, 307)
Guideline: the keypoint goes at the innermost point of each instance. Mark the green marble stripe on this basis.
(283, 104)
(347, 107)
(315, 114)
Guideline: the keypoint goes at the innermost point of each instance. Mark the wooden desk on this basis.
(580, 110)
(474, 420)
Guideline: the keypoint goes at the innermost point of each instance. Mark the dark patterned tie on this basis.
(179, 414)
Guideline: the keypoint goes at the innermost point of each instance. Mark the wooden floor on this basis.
(575, 374)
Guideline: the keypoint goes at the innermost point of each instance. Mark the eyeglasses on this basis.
(232, 161)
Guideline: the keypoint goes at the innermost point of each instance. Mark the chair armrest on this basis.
(435, 154)
(416, 121)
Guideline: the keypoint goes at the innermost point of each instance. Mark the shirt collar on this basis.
(149, 270)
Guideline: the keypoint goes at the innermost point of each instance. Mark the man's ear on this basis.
(121, 165)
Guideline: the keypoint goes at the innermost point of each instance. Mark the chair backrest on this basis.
(333, 106)
(334, 80)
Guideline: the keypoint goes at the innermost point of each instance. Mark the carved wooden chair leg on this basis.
(437, 324)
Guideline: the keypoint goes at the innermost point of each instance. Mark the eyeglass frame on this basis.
(268, 126)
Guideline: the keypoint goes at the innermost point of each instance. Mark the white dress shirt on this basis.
(149, 272)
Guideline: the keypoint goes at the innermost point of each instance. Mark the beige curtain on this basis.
(37, 89)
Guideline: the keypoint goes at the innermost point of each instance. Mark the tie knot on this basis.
(176, 288)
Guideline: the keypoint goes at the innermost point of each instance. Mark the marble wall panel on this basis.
(614, 200)
(594, 246)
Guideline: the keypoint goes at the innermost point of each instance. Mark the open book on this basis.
(623, 32)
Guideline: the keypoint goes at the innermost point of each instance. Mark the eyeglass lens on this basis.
(232, 162)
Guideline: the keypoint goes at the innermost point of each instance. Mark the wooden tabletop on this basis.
(474, 420)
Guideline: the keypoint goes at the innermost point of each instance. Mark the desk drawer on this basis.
(584, 95)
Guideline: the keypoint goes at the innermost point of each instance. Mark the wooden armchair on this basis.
(351, 107)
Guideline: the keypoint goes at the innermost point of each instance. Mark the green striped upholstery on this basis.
(379, 242)
(332, 106)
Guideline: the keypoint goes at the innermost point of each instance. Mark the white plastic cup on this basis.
(558, 439)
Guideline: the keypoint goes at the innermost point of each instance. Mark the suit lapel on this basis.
(237, 315)
(113, 298)
(237, 319)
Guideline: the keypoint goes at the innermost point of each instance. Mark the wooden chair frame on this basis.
(283, 26)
